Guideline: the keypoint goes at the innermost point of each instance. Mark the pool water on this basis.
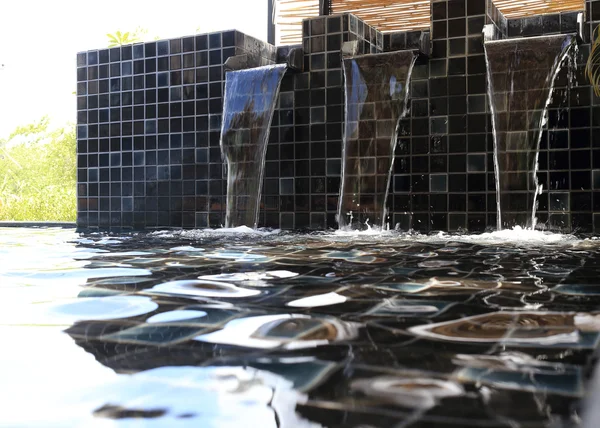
(273, 329)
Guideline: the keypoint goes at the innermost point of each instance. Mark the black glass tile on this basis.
(550, 23)
(438, 11)
(126, 52)
(438, 67)
(475, 24)
(456, 46)
(103, 56)
(568, 22)
(150, 49)
(475, 7)
(457, 66)
(457, 27)
(439, 30)
(138, 51)
(439, 48)
(214, 41)
(532, 26)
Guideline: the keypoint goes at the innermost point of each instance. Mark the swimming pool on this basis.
(216, 329)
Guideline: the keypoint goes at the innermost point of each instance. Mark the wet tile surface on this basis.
(202, 328)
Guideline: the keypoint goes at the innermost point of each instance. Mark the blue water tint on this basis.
(99, 292)
(578, 289)
(213, 397)
(105, 308)
(229, 329)
(196, 315)
(519, 372)
(80, 274)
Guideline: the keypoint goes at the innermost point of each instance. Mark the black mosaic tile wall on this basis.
(149, 118)
(456, 148)
(556, 23)
(149, 125)
(445, 152)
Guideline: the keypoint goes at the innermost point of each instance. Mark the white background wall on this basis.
(39, 40)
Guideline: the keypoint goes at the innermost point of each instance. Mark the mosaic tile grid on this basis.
(149, 155)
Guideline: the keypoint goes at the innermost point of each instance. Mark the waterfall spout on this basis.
(376, 97)
(521, 75)
(248, 106)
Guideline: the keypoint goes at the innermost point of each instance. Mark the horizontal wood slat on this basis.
(521, 8)
(388, 15)
(401, 15)
(289, 16)
(398, 15)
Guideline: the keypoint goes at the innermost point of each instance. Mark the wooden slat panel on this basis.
(404, 15)
(388, 15)
(290, 14)
(517, 9)
(398, 15)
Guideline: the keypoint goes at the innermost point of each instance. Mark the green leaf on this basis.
(592, 69)
(38, 173)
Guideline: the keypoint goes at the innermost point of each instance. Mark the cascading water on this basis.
(521, 75)
(376, 94)
(248, 106)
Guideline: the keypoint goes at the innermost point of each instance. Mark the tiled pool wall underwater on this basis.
(149, 121)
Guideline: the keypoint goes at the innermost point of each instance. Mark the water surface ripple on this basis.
(275, 329)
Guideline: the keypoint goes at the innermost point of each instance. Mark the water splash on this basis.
(196, 234)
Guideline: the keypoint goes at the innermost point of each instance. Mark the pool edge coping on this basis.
(64, 224)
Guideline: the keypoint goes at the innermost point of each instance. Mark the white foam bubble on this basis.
(371, 231)
(516, 236)
(223, 231)
(319, 300)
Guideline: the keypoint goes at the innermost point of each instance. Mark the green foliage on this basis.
(592, 69)
(119, 39)
(37, 173)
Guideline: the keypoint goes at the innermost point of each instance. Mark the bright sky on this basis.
(40, 38)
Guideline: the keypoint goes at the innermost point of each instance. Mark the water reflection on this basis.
(520, 372)
(518, 328)
(414, 392)
(202, 288)
(290, 331)
(332, 298)
(347, 331)
(201, 396)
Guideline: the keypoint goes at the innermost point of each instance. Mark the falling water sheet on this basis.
(376, 95)
(248, 106)
(521, 75)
